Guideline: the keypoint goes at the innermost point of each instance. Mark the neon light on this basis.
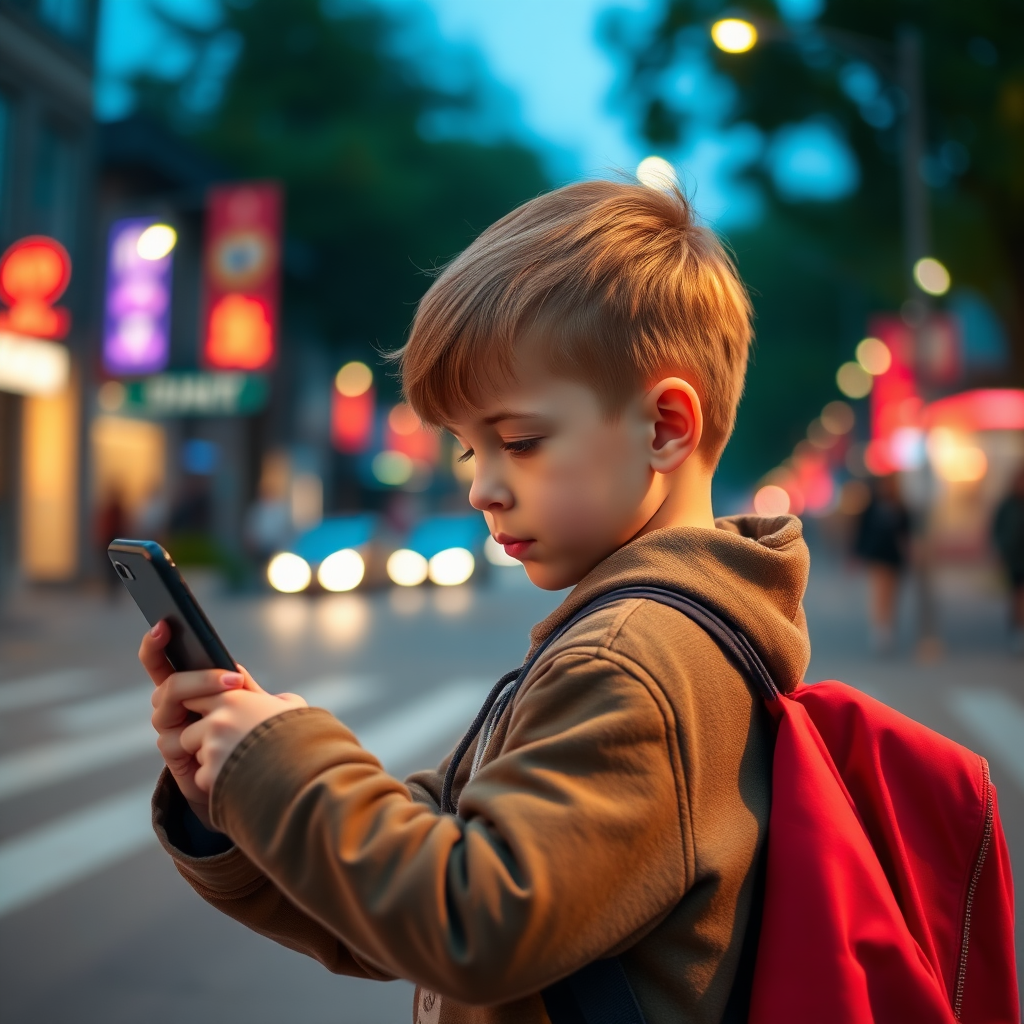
(137, 314)
(34, 272)
(241, 335)
(983, 409)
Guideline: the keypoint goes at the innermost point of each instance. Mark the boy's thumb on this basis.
(250, 683)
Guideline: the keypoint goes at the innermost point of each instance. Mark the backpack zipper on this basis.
(986, 839)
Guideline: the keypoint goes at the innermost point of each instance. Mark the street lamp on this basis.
(734, 35)
(900, 63)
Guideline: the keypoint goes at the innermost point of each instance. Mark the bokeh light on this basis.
(451, 567)
(289, 573)
(657, 172)
(931, 276)
(402, 420)
(873, 354)
(954, 458)
(343, 570)
(853, 380)
(407, 568)
(353, 379)
(734, 35)
(838, 418)
(771, 500)
(156, 241)
(854, 497)
(392, 468)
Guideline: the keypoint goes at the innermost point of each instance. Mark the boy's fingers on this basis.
(151, 653)
(250, 683)
(169, 699)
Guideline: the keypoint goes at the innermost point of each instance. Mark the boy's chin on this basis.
(550, 577)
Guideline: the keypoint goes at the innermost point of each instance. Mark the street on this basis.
(96, 927)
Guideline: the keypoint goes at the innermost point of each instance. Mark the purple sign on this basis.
(137, 315)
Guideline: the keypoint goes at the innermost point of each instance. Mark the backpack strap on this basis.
(599, 992)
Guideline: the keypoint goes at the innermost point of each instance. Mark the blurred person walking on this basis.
(1008, 535)
(882, 542)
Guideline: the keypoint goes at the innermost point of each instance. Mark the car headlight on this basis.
(451, 567)
(342, 570)
(407, 568)
(289, 573)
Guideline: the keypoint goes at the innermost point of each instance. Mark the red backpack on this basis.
(888, 896)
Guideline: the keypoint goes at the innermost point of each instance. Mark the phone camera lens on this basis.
(123, 571)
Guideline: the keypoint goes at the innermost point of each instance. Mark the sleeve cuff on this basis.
(214, 866)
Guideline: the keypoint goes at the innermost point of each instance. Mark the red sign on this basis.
(243, 246)
(34, 272)
(352, 420)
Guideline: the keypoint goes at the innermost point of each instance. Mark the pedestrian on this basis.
(588, 352)
(882, 542)
(1008, 535)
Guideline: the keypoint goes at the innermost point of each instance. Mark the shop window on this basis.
(56, 186)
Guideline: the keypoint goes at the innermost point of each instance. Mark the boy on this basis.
(588, 351)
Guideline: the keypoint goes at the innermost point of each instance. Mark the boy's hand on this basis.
(227, 717)
(173, 714)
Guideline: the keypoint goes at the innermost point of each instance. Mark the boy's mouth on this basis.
(515, 547)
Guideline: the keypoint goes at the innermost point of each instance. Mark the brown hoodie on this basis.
(619, 808)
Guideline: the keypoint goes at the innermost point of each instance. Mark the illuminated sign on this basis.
(188, 394)
(34, 272)
(29, 366)
(137, 313)
(242, 267)
(353, 405)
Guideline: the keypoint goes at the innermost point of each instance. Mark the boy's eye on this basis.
(521, 447)
(465, 456)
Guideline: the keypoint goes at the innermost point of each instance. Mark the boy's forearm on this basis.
(226, 879)
(453, 904)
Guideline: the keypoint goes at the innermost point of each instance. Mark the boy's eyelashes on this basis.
(518, 447)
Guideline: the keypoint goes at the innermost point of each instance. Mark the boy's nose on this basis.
(488, 494)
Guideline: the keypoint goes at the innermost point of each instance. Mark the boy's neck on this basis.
(685, 501)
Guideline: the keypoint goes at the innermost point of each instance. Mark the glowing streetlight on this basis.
(353, 379)
(657, 172)
(874, 355)
(931, 276)
(156, 241)
(853, 380)
(734, 35)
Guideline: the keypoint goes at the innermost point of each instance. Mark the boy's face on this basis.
(560, 485)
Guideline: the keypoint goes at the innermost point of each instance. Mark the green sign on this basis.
(196, 394)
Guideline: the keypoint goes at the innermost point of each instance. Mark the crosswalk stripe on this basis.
(58, 761)
(73, 847)
(37, 863)
(22, 694)
(997, 720)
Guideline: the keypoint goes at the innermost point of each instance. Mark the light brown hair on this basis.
(614, 284)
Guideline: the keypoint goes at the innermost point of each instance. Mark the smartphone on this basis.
(158, 588)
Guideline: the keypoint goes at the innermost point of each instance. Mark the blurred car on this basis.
(444, 549)
(339, 554)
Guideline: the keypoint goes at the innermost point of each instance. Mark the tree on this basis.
(320, 96)
(820, 267)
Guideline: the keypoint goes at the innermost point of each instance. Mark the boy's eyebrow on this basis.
(510, 414)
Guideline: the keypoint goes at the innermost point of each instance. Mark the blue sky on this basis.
(557, 79)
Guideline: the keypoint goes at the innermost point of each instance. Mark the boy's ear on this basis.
(673, 410)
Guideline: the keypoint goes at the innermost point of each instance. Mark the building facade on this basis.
(47, 187)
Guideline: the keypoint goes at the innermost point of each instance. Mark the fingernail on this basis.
(155, 631)
(231, 680)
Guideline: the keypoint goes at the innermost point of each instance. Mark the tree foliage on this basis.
(819, 268)
(322, 97)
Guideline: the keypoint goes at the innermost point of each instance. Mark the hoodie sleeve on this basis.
(540, 874)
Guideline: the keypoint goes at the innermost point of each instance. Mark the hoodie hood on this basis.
(752, 570)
